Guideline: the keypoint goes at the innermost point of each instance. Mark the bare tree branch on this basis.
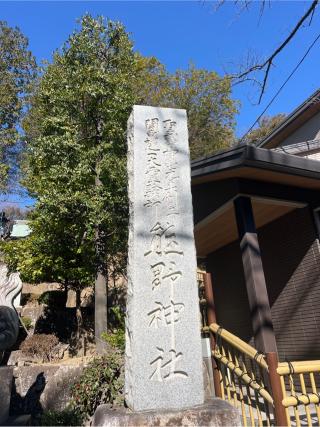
(311, 17)
(266, 65)
(282, 86)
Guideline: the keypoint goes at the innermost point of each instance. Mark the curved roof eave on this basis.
(304, 112)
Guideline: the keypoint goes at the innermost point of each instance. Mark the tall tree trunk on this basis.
(78, 315)
(101, 285)
(65, 293)
(100, 312)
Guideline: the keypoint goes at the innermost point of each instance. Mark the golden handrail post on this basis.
(279, 409)
(211, 313)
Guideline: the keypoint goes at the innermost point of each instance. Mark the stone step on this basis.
(214, 413)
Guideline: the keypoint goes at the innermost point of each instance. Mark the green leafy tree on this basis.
(76, 158)
(75, 164)
(265, 126)
(17, 75)
(204, 94)
(53, 253)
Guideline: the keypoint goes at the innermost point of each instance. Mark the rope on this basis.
(306, 395)
(219, 337)
(259, 353)
(243, 373)
(297, 399)
(291, 372)
(291, 368)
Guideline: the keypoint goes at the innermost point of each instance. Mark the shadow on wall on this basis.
(30, 403)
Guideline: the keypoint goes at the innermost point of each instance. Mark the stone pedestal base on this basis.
(6, 375)
(213, 413)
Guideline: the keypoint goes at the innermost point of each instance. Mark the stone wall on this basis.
(33, 312)
(40, 288)
(42, 387)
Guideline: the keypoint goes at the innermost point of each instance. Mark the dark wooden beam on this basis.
(209, 197)
(278, 191)
(211, 313)
(254, 277)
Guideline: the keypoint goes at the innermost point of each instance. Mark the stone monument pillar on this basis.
(163, 347)
(163, 379)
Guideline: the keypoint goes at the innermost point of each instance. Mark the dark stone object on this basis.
(9, 327)
(19, 420)
(215, 412)
(6, 376)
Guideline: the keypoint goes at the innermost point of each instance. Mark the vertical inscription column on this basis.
(163, 347)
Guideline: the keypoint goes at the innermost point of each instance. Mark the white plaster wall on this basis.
(307, 132)
(313, 156)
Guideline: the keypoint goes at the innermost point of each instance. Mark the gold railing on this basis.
(267, 392)
(300, 382)
(242, 373)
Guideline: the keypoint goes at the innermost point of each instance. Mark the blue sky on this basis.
(183, 31)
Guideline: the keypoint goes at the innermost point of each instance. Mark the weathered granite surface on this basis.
(6, 375)
(163, 347)
(42, 387)
(34, 312)
(215, 412)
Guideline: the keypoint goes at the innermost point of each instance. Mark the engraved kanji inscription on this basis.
(170, 181)
(164, 240)
(164, 273)
(153, 193)
(170, 133)
(165, 315)
(167, 370)
(152, 126)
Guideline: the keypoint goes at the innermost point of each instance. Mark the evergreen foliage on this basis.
(18, 73)
(76, 159)
(204, 94)
(75, 162)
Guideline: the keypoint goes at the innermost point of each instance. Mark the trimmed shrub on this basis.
(101, 382)
(116, 337)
